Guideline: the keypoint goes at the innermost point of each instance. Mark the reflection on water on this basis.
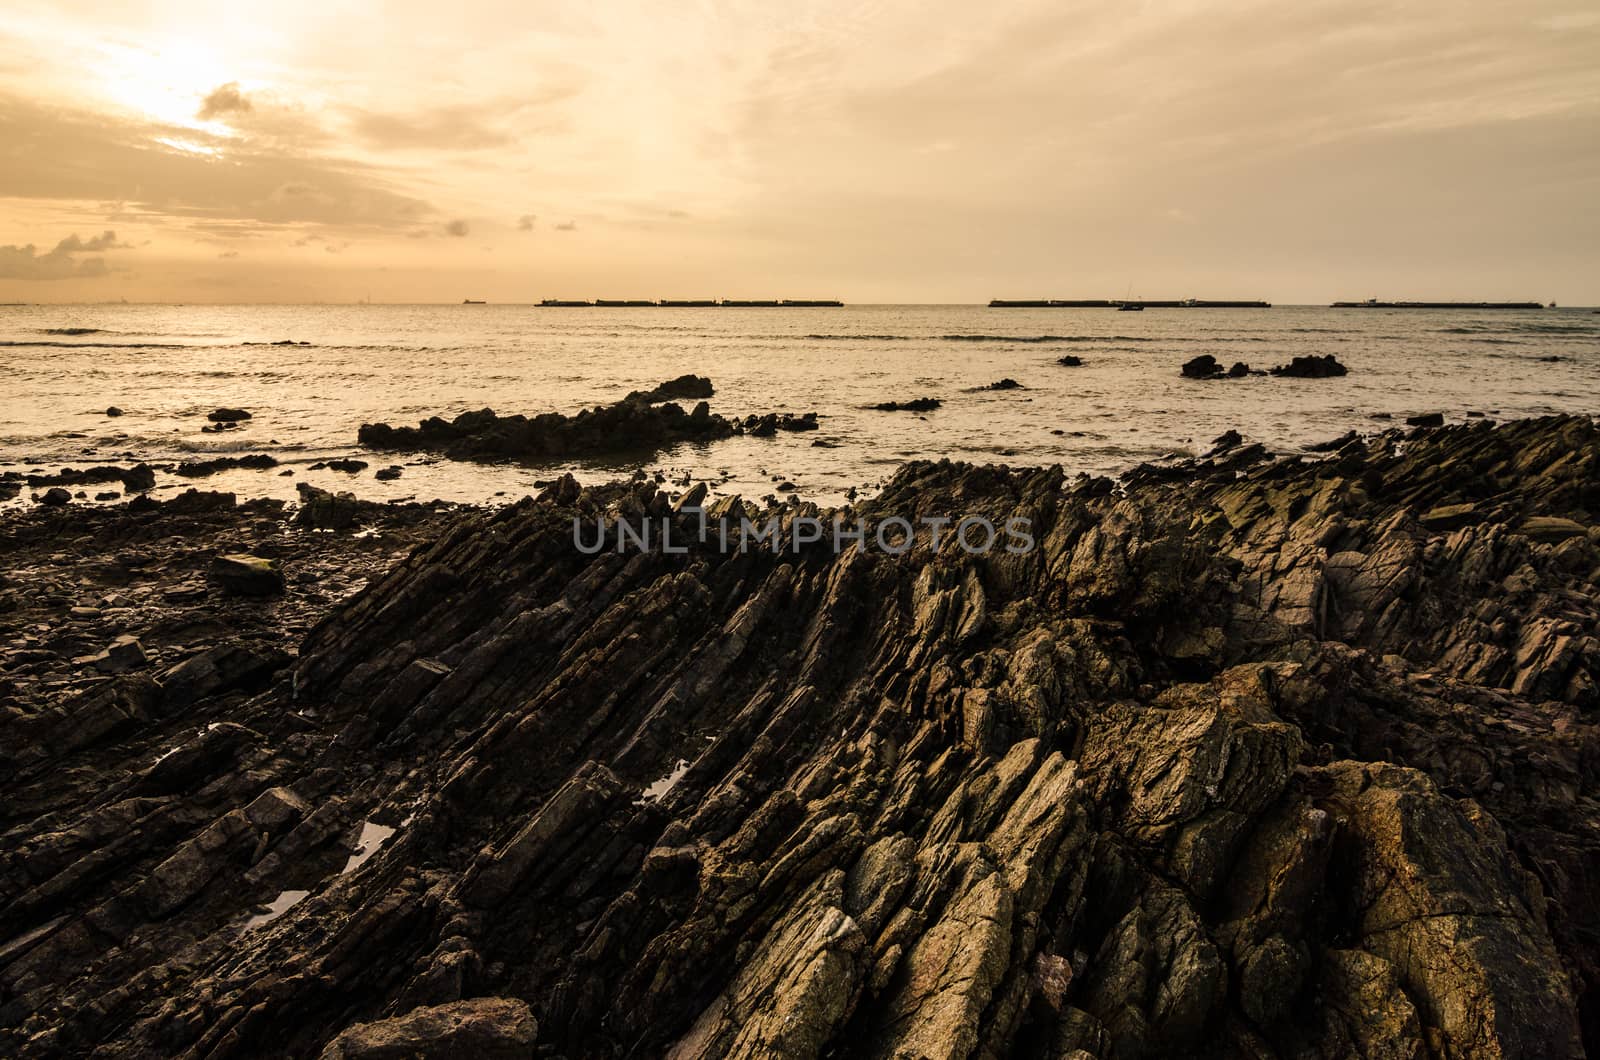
(664, 784)
(373, 836)
(280, 905)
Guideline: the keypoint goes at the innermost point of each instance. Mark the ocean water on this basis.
(167, 366)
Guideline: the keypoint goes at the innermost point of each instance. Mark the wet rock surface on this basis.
(1270, 758)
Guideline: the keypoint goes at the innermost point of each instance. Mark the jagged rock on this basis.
(1268, 758)
(246, 575)
(200, 468)
(484, 1028)
(323, 510)
(121, 655)
(1204, 366)
(1334, 444)
(223, 668)
(683, 388)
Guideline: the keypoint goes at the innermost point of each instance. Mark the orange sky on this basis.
(872, 151)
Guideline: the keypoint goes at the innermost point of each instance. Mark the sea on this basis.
(167, 366)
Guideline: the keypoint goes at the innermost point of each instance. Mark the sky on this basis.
(871, 150)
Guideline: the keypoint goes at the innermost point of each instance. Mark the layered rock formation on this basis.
(1283, 759)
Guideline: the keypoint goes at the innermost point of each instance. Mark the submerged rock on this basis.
(1204, 366)
(227, 415)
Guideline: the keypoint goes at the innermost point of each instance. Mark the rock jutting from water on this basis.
(1281, 759)
(1326, 366)
(922, 404)
(644, 421)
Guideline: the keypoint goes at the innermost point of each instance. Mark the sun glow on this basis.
(168, 81)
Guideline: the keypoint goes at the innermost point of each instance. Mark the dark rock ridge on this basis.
(1206, 366)
(1263, 762)
(922, 404)
(683, 388)
(1313, 367)
(641, 422)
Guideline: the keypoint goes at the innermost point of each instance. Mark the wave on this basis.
(45, 344)
(71, 331)
(1009, 338)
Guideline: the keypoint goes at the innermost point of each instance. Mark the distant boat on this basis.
(1130, 307)
(472, 301)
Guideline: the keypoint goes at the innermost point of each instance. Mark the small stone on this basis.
(121, 656)
(55, 497)
(227, 415)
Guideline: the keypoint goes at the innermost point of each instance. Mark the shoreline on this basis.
(1289, 729)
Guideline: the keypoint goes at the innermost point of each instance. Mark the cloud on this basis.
(26, 263)
(69, 154)
(525, 222)
(457, 228)
(224, 100)
(74, 244)
(567, 226)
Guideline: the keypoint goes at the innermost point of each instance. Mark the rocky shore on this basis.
(1275, 758)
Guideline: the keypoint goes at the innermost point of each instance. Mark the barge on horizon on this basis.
(1373, 303)
(696, 303)
(1124, 303)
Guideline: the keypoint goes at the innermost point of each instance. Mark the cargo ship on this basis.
(727, 303)
(1123, 303)
(1373, 303)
